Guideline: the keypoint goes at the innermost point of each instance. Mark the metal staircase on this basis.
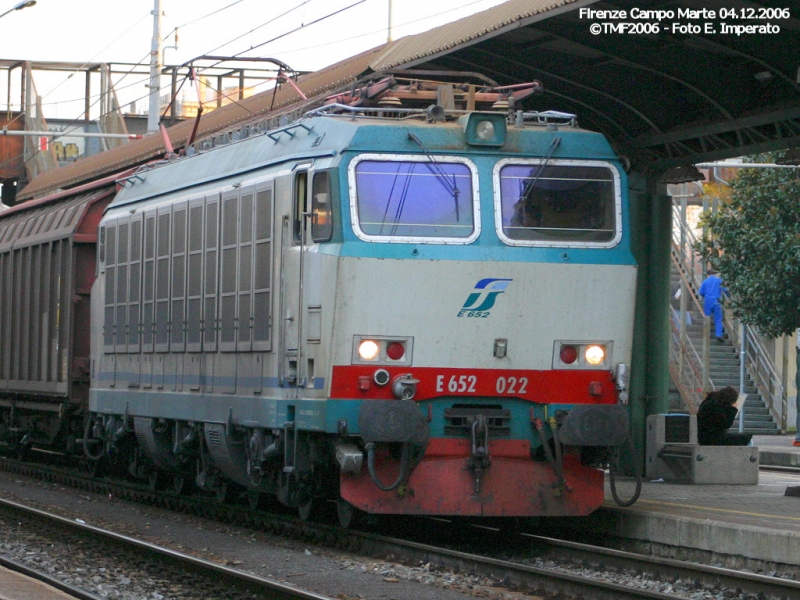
(698, 362)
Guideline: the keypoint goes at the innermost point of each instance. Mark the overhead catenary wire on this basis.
(249, 32)
(303, 26)
(140, 63)
(212, 13)
(382, 29)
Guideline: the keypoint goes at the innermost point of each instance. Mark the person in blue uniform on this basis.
(712, 290)
(715, 417)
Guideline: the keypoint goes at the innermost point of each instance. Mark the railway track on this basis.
(185, 576)
(550, 567)
(39, 575)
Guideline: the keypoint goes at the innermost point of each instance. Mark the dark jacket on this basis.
(713, 421)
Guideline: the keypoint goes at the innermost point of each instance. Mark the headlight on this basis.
(595, 355)
(485, 130)
(582, 354)
(382, 350)
(368, 350)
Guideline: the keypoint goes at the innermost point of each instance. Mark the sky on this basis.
(309, 36)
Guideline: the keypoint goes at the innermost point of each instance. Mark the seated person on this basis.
(715, 416)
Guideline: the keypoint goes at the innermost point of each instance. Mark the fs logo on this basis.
(482, 298)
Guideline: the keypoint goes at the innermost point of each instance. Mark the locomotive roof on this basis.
(326, 135)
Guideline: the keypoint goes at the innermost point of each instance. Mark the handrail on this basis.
(761, 368)
(686, 373)
(689, 286)
(682, 232)
(683, 353)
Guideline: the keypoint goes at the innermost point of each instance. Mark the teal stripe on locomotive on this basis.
(309, 415)
(338, 141)
(107, 377)
(249, 411)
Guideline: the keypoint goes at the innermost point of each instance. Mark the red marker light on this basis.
(568, 354)
(395, 351)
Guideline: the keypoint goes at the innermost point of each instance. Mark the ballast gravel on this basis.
(322, 570)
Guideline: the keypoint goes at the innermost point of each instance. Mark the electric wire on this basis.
(382, 29)
(301, 27)
(91, 60)
(141, 62)
(283, 14)
(304, 26)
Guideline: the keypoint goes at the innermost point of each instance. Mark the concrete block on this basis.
(672, 453)
(730, 465)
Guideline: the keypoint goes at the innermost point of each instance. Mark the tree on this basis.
(753, 240)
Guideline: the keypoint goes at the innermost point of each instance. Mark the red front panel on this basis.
(514, 485)
(544, 387)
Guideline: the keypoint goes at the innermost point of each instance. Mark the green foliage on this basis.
(754, 242)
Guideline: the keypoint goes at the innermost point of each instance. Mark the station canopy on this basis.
(669, 82)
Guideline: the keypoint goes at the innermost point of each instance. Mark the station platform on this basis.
(16, 586)
(758, 522)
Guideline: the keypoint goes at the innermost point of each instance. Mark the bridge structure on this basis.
(34, 141)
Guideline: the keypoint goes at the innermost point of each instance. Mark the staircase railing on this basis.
(762, 370)
(688, 366)
(685, 366)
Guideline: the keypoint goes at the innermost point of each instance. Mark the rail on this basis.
(566, 568)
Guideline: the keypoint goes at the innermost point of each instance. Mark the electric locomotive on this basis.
(415, 299)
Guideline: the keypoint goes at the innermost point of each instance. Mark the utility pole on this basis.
(389, 29)
(155, 70)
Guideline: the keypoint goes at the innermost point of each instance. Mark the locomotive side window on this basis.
(566, 203)
(300, 195)
(414, 199)
(321, 217)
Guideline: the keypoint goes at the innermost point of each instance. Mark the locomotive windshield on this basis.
(412, 198)
(557, 203)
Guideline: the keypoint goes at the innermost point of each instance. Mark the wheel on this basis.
(224, 493)
(154, 480)
(23, 452)
(256, 500)
(181, 484)
(349, 516)
(317, 510)
(97, 468)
